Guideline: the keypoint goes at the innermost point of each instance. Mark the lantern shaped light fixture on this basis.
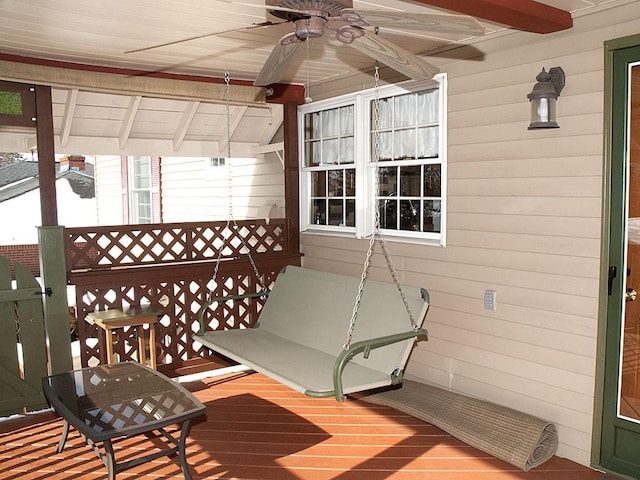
(543, 98)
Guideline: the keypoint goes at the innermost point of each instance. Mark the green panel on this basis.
(619, 440)
(11, 103)
(56, 309)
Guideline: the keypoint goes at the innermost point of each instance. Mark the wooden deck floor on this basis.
(258, 429)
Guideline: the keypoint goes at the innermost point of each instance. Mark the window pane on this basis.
(385, 117)
(428, 142)
(313, 154)
(330, 151)
(405, 144)
(410, 215)
(318, 211)
(431, 216)
(350, 182)
(141, 206)
(410, 181)
(388, 213)
(350, 216)
(330, 123)
(346, 122)
(347, 150)
(141, 172)
(336, 212)
(318, 184)
(432, 179)
(385, 146)
(388, 179)
(405, 110)
(428, 107)
(312, 126)
(335, 183)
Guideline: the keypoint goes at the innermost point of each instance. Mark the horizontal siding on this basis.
(108, 181)
(191, 193)
(524, 213)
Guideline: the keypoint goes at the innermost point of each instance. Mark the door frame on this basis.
(612, 214)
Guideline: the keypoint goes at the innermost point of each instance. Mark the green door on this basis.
(620, 447)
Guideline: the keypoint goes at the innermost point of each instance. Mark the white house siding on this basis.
(108, 182)
(190, 192)
(524, 220)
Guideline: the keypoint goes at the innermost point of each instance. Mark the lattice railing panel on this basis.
(93, 248)
(180, 301)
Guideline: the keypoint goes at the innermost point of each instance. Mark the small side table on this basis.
(135, 316)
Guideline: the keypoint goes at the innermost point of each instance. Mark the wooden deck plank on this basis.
(258, 429)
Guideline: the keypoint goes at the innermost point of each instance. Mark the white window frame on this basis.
(365, 170)
(134, 204)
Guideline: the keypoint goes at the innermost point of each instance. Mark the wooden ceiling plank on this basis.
(527, 15)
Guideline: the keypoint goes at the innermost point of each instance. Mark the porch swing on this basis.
(297, 339)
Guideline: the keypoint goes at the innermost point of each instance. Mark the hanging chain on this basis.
(230, 219)
(376, 235)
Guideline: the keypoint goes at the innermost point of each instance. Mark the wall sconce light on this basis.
(543, 98)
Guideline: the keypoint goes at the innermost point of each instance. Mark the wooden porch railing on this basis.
(171, 266)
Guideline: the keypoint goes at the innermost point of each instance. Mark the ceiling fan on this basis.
(312, 18)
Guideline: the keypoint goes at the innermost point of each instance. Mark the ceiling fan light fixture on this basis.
(310, 27)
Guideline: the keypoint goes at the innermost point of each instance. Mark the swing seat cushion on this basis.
(303, 327)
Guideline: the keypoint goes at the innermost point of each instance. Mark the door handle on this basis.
(630, 295)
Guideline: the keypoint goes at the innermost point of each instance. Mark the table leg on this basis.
(182, 447)
(142, 354)
(109, 344)
(152, 346)
(109, 460)
(63, 439)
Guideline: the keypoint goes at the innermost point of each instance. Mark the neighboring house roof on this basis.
(22, 177)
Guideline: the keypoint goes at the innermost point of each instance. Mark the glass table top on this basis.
(119, 399)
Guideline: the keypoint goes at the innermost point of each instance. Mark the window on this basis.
(404, 128)
(140, 190)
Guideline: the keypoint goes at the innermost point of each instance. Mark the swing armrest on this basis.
(208, 303)
(365, 346)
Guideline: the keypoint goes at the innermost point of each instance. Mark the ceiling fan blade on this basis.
(394, 56)
(204, 35)
(423, 22)
(279, 60)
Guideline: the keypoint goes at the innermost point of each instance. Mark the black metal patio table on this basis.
(122, 400)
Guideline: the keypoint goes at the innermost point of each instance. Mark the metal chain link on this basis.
(376, 235)
(230, 220)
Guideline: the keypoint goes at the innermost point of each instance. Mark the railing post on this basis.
(56, 308)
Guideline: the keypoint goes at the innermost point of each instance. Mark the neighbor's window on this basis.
(403, 128)
(140, 190)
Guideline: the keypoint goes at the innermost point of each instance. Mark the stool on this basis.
(135, 316)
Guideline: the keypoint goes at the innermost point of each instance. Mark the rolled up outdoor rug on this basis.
(518, 438)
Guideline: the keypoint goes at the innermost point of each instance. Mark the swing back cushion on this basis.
(303, 327)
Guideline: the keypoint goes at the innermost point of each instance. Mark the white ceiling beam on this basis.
(235, 116)
(185, 122)
(67, 117)
(277, 117)
(127, 121)
(277, 148)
